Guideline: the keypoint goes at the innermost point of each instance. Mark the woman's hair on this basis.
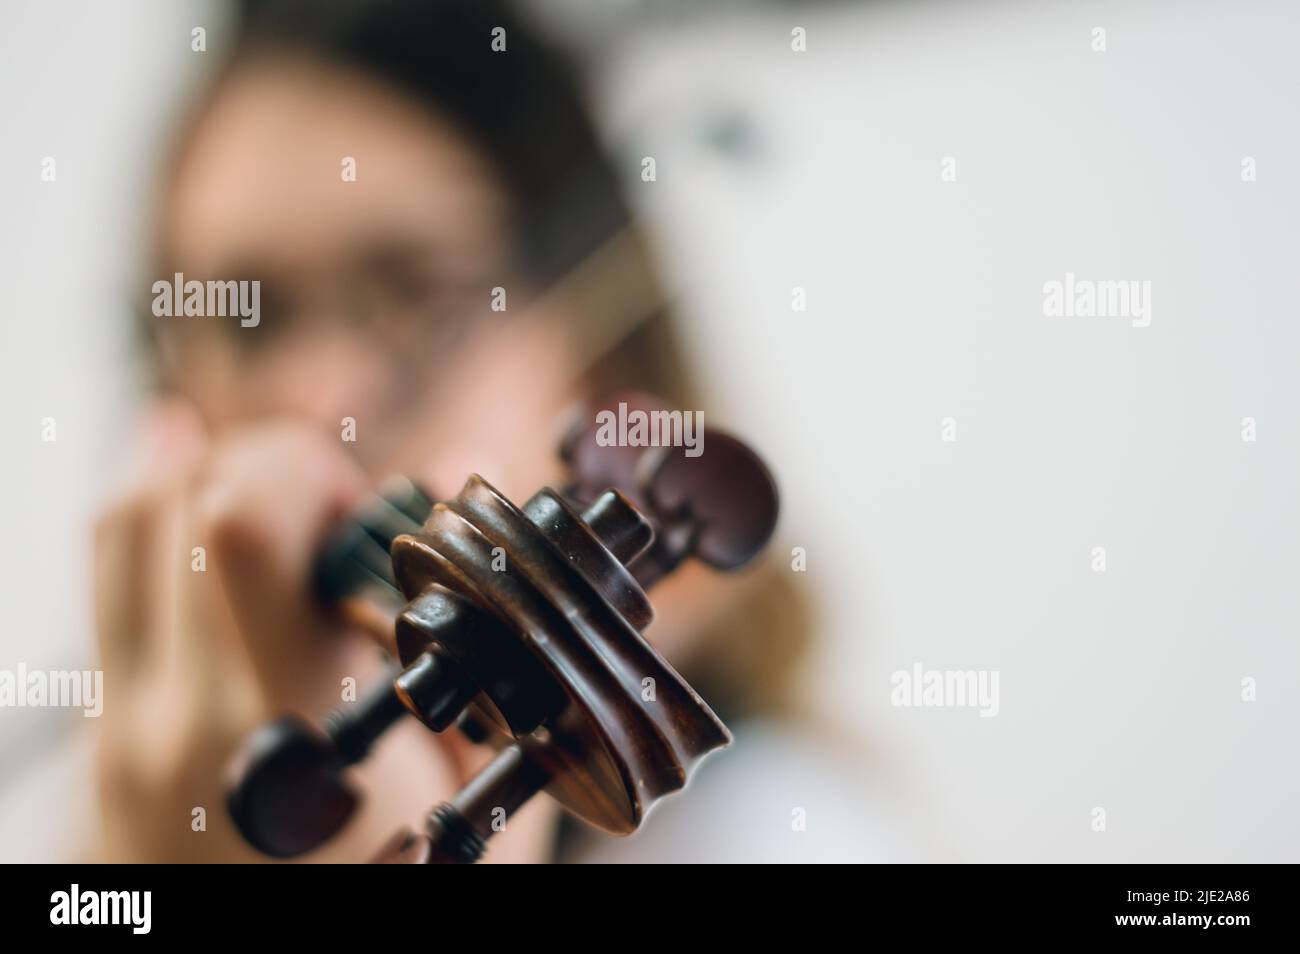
(521, 105)
(525, 111)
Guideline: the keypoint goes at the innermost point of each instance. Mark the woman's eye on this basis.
(407, 287)
(273, 308)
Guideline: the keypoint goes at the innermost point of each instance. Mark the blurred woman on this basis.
(380, 168)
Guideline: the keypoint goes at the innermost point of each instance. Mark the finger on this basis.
(193, 638)
(266, 505)
(127, 555)
(168, 441)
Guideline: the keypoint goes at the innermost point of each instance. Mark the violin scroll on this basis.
(523, 625)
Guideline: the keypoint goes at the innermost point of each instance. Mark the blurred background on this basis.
(823, 171)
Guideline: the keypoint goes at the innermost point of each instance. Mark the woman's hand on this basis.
(207, 628)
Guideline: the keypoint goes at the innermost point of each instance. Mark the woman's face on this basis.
(376, 293)
(377, 232)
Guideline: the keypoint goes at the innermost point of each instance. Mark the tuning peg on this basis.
(727, 494)
(596, 467)
(719, 506)
(289, 793)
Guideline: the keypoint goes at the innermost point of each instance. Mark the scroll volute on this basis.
(540, 613)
